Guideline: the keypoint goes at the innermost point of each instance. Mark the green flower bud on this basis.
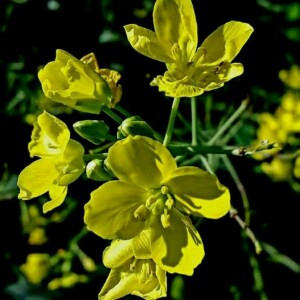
(135, 126)
(92, 130)
(97, 171)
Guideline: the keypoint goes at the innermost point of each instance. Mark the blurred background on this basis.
(32, 244)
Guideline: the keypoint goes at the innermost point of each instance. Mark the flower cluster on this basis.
(148, 201)
(283, 127)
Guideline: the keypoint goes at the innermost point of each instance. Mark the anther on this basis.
(164, 190)
(141, 212)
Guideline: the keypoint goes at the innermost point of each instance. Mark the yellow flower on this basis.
(36, 268)
(291, 78)
(68, 280)
(291, 103)
(191, 70)
(60, 162)
(297, 167)
(153, 193)
(37, 236)
(132, 272)
(74, 83)
(278, 169)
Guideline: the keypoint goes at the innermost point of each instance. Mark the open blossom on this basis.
(190, 70)
(60, 163)
(132, 271)
(153, 194)
(74, 83)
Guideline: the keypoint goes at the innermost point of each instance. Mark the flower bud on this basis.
(96, 170)
(92, 130)
(135, 126)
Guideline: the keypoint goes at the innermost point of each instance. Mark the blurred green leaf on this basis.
(8, 187)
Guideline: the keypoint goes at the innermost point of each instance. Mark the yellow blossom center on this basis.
(160, 203)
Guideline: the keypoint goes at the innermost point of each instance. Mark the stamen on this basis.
(165, 219)
(150, 201)
(141, 212)
(133, 265)
(169, 203)
(164, 190)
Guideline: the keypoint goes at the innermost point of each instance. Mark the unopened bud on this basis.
(96, 170)
(134, 126)
(94, 131)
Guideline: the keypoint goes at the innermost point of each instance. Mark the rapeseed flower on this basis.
(291, 77)
(74, 83)
(60, 163)
(190, 70)
(132, 271)
(153, 194)
(36, 268)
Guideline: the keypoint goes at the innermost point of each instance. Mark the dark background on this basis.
(30, 33)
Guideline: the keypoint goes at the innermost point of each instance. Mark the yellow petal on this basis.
(146, 42)
(49, 137)
(74, 83)
(143, 279)
(117, 253)
(57, 195)
(120, 251)
(70, 165)
(198, 192)
(140, 160)
(178, 248)
(175, 22)
(225, 42)
(173, 87)
(216, 79)
(110, 211)
(36, 179)
(116, 287)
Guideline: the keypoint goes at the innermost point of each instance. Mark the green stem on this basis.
(101, 149)
(230, 168)
(181, 149)
(205, 163)
(170, 127)
(228, 123)
(194, 120)
(258, 282)
(111, 114)
(122, 110)
(247, 230)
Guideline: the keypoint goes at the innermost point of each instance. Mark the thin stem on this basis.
(170, 127)
(194, 120)
(205, 163)
(239, 185)
(122, 110)
(101, 149)
(234, 214)
(111, 114)
(228, 123)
